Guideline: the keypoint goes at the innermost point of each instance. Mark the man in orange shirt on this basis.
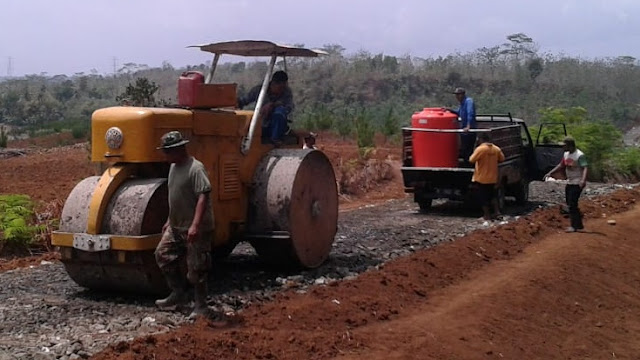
(485, 175)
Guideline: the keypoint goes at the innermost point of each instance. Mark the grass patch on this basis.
(21, 228)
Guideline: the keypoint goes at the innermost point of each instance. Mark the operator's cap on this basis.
(172, 139)
(280, 77)
(459, 90)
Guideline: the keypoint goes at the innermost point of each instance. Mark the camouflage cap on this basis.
(172, 139)
(459, 90)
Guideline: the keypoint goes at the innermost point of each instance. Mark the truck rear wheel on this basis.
(425, 205)
(521, 192)
(500, 195)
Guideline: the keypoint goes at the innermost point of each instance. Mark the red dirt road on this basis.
(522, 291)
(568, 296)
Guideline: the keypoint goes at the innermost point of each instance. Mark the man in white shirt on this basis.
(574, 163)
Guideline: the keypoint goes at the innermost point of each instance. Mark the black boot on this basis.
(178, 294)
(200, 300)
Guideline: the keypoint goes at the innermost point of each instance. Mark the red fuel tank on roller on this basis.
(435, 149)
(194, 93)
(189, 87)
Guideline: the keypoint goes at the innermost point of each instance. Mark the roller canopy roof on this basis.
(258, 48)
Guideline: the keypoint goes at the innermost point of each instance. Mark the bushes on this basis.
(22, 228)
(627, 162)
(600, 141)
(317, 118)
(346, 121)
(17, 231)
(344, 125)
(364, 132)
(78, 132)
(3, 138)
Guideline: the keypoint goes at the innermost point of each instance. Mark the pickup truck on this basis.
(524, 162)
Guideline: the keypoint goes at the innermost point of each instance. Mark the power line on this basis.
(115, 77)
(9, 66)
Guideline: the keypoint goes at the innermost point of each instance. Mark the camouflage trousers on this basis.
(173, 252)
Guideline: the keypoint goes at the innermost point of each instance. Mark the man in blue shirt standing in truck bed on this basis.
(467, 114)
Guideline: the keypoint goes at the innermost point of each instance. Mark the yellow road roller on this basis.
(283, 200)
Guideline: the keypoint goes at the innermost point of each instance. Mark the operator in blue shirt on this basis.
(276, 109)
(467, 114)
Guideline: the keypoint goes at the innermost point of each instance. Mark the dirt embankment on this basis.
(524, 290)
(46, 175)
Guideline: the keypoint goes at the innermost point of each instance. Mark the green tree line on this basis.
(363, 93)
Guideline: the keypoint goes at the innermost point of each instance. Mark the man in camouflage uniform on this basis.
(188, 231)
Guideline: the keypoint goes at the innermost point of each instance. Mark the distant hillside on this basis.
(512, 77)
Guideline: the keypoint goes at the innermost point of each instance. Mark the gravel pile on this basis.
(45, 315)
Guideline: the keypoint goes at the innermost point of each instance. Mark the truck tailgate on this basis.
(446, 177)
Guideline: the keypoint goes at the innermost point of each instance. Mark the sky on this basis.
(71, 36)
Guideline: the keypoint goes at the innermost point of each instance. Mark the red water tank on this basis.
(189, 85)
(435, 149)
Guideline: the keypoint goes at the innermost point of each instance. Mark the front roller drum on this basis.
(138, 207)
(293, 214)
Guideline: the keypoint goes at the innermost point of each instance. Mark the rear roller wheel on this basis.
(293, 212)
(138, 207)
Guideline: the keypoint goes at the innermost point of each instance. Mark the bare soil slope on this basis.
(46, 174)
(524, 290)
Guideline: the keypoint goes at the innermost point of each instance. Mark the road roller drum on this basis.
(138, 207)
(293, 211)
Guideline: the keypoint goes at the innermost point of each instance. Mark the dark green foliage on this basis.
(600, 141)
(519, 45)
(627, 162)
(78, 132)
(16, 219)
(65, 91)
(3, 137)
(140, 94)
(305, 120)
(323, 119)
(453, 78)
(390, 124)
(364, 130)
(344, 124)
(535, 68)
